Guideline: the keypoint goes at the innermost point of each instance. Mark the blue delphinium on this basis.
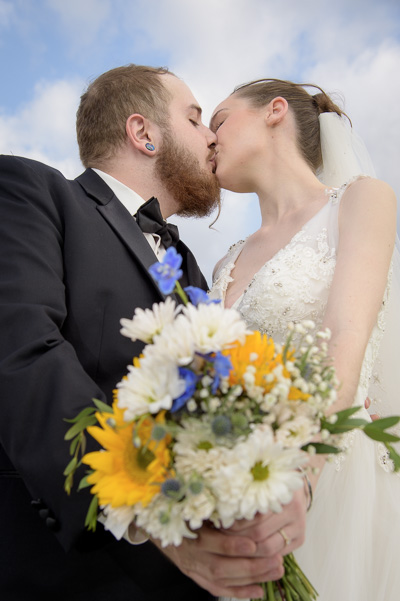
(222, 367)
(167, 272)
(197, 296)
(190, 381)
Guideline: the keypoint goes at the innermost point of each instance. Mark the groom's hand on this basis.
(224, 564)
(232, 562)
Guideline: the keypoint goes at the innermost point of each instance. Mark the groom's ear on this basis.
(141, 131)
(276, 110)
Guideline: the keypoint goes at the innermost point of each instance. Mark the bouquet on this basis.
(212, 423)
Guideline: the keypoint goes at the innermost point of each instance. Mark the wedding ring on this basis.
(285, 537)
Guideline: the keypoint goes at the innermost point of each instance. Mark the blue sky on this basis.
(50, 49)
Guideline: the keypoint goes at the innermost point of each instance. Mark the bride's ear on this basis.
(276, 111)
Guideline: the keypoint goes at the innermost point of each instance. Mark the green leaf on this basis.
(83, 444)
(68, 484)
(394, 456)
(91, 517)
(341, 418)
(379, 435)
(102, 407)
(348, 425)
(80, 426)
(84, 483)
(321, 448)
(345, 413)
(71, 467)
(73, 445)
(386, 422)
(81, 414)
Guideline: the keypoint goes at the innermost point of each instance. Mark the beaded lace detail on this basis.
(294, 285)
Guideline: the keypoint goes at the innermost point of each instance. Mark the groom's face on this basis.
(185, 162)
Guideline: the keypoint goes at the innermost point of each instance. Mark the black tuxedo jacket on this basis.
(72, 263)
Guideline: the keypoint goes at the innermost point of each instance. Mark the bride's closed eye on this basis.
(218, 125)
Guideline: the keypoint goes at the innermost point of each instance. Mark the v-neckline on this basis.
(333, 195)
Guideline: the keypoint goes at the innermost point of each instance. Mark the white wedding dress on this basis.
(352, 543)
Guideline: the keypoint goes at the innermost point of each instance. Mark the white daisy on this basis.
(193, 434)
(149, 388)
(147, 323)
(260, 474)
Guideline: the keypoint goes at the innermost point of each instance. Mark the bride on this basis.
(325, 251)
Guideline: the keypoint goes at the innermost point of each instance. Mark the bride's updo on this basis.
(306, 109)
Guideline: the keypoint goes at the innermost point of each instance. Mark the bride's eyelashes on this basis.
(216, 128)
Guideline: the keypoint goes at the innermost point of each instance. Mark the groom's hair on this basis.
(306, 109)
(108, 102)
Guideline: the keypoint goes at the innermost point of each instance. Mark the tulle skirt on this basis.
(352, 543)
(351, 551)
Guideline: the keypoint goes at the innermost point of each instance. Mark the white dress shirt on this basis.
(132, 201)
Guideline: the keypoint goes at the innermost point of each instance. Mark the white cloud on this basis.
(371, 87)
(213, 46)
(44, 129)
(86, 22)
(6, 11)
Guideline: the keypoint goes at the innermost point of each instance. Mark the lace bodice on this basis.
(294, 284)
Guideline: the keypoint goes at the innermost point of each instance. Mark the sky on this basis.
(51, 49)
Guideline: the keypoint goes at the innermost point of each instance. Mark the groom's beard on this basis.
(195, 190)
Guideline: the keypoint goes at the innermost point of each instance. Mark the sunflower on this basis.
(126, 473)
(259, 351)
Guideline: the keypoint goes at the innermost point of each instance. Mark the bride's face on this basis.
(240, 133)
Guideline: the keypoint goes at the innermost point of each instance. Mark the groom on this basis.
(73, 261)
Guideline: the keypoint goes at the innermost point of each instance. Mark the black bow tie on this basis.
(150, 221)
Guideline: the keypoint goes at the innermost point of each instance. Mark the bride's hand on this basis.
(374, 416)
(276, 533)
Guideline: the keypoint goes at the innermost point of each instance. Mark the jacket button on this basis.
(37, 504)
(44, 513)
(52, 523)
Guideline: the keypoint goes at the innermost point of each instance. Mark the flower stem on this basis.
(180, 291)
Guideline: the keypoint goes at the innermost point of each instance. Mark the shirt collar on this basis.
(129, 198)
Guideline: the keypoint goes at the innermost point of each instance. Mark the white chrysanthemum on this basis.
(213, 327)
(198, 508)
(205, 463)
(260, 474)
(175, 342)
(296, 432)
(117, 519)
(147, 323)
(149, 388)
(164, 520)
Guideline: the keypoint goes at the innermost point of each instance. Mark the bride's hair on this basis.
(306, 109)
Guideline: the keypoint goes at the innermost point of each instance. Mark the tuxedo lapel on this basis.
(119, 219)
(126, 228)
(192, 275)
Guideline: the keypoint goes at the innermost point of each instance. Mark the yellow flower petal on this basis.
(124, 474)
